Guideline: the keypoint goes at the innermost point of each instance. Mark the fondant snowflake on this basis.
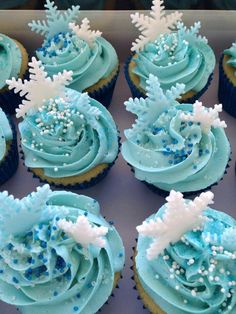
(229, 239)
(207, 117)
(179, 217)
(191, 33)
(83, 232)
(39, 88)
(152, 26)
(148, 109)
(56, 21)
(84, 32)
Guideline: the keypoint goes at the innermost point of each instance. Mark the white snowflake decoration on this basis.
(84, 32)
(39, 88)
(192, 32)
(208, 117)
(178, 218)
(56, 21)
(83, 232)
(152, 26)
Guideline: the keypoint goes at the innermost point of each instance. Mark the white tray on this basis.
(123, 199)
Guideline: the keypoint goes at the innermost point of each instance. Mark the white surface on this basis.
(123, 199)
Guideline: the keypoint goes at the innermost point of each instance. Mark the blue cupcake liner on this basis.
(226, 91)
(104, 94)
(78, 186)
(10, 163)
(137, 93)
(9, 101)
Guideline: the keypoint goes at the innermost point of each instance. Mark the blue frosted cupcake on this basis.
(187, 266)
(8, 148)
(68, 139)
(76, 48)
(175, 146)
(227, 80)
(58, 254)
(180, 56)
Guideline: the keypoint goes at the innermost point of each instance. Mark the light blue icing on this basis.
(169, 281)
(10, 59)
(43, 270)
(178, 57)
(232, 53)
(64, 150)
(168, 152)
(5, 133)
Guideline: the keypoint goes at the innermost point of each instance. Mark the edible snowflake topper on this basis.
(56, 21)
(39, 88)
(157, 101)
(18, 216)
(180, 216)
(84, 32)
(154, 25)
(83, 232)
(207, 117)
(192, 33)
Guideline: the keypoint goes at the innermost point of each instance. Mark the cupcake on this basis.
(76, 48)
(13, 63)
(172, 145)
(58, 254)
(180, 56)
(67, 138)
(8, 148)
(187, 266)
(227, 80)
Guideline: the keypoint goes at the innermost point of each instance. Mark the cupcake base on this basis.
(9, 101)
(133, 82)
(9, 164)
(227, 86)
(103, 90)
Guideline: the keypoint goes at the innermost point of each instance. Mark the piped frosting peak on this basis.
(179, 217)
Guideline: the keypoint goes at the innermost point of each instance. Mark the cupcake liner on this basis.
(104, 93)
(10, 163)
(78, 186)
(9, 101)
(137, 93)
(226, 91)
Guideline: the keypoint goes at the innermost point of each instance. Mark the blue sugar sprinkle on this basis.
(9, 246)
(78, 295)
(120, 255)
(1, 271)
(15, 261)
(43, 244)
(40, 256)
(76, 308)
(15, 280)
(207, 151)
(54, 228)
(55, 293)
(57, 218)
(53, 238)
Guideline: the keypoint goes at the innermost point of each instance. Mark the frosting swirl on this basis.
(231, 52)
(10, 59)
(178, 57)
(196, 274)
(43, 270)
(89, 64)
(6, 134)
(71, 137)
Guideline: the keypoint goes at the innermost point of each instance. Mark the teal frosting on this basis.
(178, 57)
(6, 134)
(71, 137)
(89, 64)
(168, 152)
(10, 59)
(42, 269)
(232, 53)
(170, 278)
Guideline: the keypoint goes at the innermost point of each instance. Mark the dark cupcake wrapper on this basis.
(9, 101)
(226, 91)
(137, 93)
(78, 186)
(104, 93)
(10, 163)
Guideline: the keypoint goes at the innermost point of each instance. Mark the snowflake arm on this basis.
(83, 232)
(151, 27)
(171, 227)
(84, 32)
(207, 117)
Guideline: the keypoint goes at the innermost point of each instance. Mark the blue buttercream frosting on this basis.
(195, 275)
(231, 52)
(42, 269)
(6, 134)
(69, 137)
(178, 57)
